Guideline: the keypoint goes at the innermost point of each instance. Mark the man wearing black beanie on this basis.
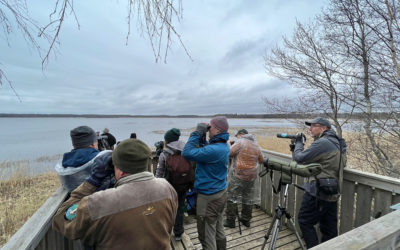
(77, 164)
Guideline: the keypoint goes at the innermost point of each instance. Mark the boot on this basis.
(229, 223)
(246, 214)
(221, 244)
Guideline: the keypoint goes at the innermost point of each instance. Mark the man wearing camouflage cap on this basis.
(138, 213)
(319, 203)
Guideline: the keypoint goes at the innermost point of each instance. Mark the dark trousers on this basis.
(313, 211)
(178, 226)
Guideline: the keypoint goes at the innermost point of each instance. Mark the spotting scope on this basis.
(288, 136)
(292, 167)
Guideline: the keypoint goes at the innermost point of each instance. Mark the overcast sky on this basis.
(96, 73)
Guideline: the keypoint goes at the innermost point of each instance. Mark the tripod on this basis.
(276, 224)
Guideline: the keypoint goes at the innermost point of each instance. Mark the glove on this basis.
(101, 169)
(292, 145)
(300, 137)
(202, 129)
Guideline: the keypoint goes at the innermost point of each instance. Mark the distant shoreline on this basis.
(255, 116)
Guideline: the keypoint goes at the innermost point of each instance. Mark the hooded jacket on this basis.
(76, 167)
(211, 162)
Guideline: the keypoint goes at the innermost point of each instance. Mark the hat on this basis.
(132, 156)
(106, 130)
(221, 123)
(172, 135)
(83, 136)
(319, 120)
(242, 131)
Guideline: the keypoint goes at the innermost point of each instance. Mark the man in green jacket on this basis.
(138, 213)
(319, 203)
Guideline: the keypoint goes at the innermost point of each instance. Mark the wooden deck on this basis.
(251, 238)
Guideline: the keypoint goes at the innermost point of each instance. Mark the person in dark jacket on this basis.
(77, 164)
(210, 179)
(173, 146)
(319, 203)
(110, 138)
(138, 213)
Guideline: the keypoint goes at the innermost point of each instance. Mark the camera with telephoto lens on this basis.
(288, 136)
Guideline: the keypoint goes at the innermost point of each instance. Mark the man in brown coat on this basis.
(138, 213)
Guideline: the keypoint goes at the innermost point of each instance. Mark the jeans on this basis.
(178, 226)
(313, 211)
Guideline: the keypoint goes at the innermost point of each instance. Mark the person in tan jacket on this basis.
(138, 213)
(245, 155)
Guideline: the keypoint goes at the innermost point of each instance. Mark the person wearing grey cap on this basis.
(319, 203)
(210, 179)
(137, 213)
(77, 164)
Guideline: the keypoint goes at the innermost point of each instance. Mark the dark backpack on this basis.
(180, 173)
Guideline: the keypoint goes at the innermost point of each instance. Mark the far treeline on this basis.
(258, 116)
(347, 60)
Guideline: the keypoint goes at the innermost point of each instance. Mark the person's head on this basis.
(318, 126)
(133, 136)
(83, 137)
(218, 124)
(132, 156)
(241, 132)
(106, 130)
(172, 135)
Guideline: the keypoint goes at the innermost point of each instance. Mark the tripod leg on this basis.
(269, 231)
(274, 235)
(297, 234)
(237, 215)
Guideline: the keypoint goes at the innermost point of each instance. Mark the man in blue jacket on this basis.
(210, 180)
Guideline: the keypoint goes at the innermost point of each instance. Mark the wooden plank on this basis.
(363, 206)
(347, 207)
(176, 245)
(395, 199)
(374, 180)
(299, 198)
(187, 243)
(383, 200)
(35, 229)
(382, 233)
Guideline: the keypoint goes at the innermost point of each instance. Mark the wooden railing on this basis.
(364, 196)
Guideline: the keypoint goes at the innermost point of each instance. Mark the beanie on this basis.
(132, 156)
(83, 136)
(172, 135)
(242, 132)
(221, 123)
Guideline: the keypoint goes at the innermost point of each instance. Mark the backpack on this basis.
(180, 173)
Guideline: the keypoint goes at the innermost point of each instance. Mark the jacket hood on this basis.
(78, 157)
(174, 147)
(330, 134)
(249, 137)
(224, 136)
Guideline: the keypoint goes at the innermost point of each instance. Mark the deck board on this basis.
(251, 238)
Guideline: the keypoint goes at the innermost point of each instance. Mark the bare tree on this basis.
(349, 57)
(309, 63)
(154, 18)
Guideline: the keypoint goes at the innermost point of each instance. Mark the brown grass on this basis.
(20, 197)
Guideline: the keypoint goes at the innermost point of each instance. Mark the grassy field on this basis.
(21, 196)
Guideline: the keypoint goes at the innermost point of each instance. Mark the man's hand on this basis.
(202, 129)
(102, 168)
(300, 137)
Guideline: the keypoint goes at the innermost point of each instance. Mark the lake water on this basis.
(37, 143)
